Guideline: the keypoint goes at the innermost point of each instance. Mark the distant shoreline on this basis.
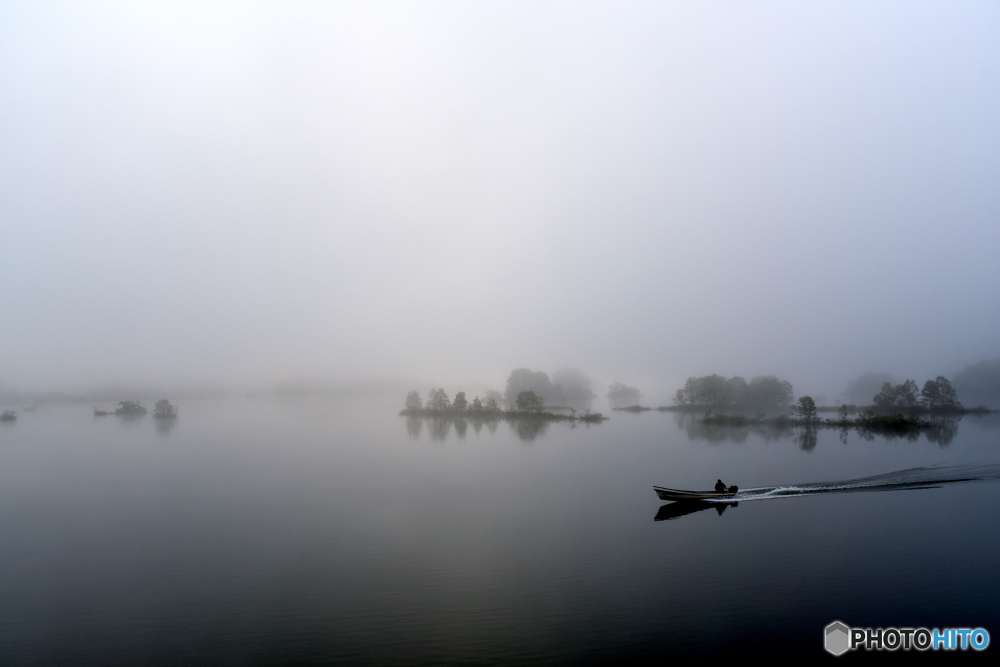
(507, 415)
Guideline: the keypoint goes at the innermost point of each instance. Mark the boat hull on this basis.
(679, 494)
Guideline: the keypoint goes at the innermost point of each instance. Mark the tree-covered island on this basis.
(897, 409)
(527, 406)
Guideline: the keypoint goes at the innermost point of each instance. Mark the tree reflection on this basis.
(164, 426)
(131, 419)
(943, 431)
(806, 438)
(413, 426)
(696, 429)
(529, 429)
(439, 428)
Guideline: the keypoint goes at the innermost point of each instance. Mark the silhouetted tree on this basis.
(460, 403)
(164, 409)
(939, 395)
(491, 404)
(437, 399)
(899, 397)
(529, 401)
(477, 405)
(714, 391)
(806, 408)
(413, 401)
(709, 390)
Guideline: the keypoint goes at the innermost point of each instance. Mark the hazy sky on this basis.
(440, 192)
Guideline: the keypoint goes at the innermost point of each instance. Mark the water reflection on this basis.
(695, 428)
(130, 419)
(681, 508)
(942, 431)
(413, 426)
(440, 428)
(529, 429)
(805, 438)
(165, 424)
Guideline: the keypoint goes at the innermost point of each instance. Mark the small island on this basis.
(129, 409)
(896, 410)
(528, 406)
(164, 410)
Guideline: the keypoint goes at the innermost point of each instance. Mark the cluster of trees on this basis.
(163, 410)
(529, 401)
(976, 384)
(566, 386)
(938, 395)
(762, 393)
(437, 399)
(130, 408)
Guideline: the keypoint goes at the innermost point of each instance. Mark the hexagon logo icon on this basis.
(837, 638)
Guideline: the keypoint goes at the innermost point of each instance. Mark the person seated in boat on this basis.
(720, 487)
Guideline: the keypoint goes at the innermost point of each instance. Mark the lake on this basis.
(332, 530)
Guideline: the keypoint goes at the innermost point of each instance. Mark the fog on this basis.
(433, 194)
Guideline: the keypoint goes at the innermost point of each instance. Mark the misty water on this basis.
(333, 530)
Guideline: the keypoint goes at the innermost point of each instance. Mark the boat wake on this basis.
(912, 478)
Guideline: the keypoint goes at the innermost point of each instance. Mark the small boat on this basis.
(678, 494)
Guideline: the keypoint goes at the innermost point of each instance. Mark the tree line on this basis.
(760, 394)
(528, 404)
(937, 395)
(438, 401)
(766, 393)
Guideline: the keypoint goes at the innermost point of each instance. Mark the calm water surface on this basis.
(317, 531)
